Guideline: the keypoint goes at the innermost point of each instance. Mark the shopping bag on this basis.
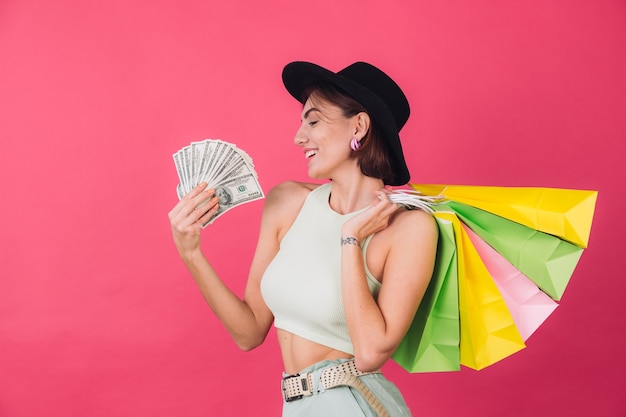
(547, 260)
(432, 342)
(528, 305)
(516, 250)
(488, 331)
(560, 212)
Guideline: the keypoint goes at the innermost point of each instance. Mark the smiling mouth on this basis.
(309, 154)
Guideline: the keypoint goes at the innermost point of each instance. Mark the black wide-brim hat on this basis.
(383, 99)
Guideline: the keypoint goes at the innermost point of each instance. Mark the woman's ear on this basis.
(362, 125)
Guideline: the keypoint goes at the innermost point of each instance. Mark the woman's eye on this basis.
(312, 122)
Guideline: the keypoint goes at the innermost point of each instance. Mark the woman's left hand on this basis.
(372, 220)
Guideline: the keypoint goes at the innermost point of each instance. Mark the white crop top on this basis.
(302, 284)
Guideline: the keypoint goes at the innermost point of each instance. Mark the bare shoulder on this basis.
(288, 195)
(290, 190)
(283, 203)
(412, 225)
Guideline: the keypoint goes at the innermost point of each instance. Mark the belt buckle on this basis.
(304, 388)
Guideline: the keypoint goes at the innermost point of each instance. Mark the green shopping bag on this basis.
(547, 260)
(432, 342)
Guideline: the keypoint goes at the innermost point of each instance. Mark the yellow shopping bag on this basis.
(564, 213)
(488, 332)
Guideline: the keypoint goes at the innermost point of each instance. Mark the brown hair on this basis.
(372, 156)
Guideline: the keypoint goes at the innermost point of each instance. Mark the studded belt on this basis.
(298, 386)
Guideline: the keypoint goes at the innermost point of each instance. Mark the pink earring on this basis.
(355, 144)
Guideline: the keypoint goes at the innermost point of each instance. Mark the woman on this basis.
(339, 269)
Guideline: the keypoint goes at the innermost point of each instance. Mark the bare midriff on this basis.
(299, 353)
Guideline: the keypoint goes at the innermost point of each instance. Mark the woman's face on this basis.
(222, 195)
(324, 136)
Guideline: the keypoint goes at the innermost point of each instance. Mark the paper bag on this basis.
(528, 305)
(432, 342)
(488, 331)
(547, 260)
(560, 212)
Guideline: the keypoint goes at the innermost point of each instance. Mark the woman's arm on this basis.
(408, 244)
(249, 320)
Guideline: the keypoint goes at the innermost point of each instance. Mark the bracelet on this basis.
(350, 240)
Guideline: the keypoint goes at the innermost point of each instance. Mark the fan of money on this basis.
(224, 167)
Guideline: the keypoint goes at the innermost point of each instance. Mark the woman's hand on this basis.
(372, 220)
(187, 217)
(401, 257)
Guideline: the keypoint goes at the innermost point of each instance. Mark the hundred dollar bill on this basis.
(236, 191)
(180, 170)
(224, 167)
(198, 155)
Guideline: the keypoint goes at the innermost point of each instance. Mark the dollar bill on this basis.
(235, 192)
(224, 167)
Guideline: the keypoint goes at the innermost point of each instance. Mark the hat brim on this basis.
(297, 76)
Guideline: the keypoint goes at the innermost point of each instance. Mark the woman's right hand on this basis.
(187, 217)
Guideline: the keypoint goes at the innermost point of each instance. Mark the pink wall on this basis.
(97, 315)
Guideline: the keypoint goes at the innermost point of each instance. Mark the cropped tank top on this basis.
(302, 284)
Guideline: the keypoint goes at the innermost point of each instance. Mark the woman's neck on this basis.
(349, 195)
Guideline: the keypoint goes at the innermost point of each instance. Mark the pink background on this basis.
(98, 317)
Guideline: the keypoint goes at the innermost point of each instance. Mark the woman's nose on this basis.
(300, 137)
